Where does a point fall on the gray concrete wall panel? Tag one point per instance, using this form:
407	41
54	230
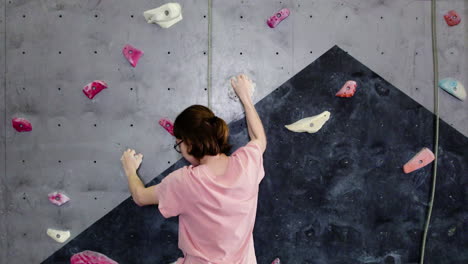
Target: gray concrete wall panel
3	128
54	48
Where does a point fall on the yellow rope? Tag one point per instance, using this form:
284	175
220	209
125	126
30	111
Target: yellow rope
436	112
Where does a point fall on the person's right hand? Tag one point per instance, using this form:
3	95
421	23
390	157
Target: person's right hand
242	85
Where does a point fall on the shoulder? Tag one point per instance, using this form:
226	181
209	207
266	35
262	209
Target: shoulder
252	146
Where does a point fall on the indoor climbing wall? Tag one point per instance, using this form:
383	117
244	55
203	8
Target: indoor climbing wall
52	48
392	37
340	195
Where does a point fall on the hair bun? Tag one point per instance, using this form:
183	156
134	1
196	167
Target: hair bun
213	119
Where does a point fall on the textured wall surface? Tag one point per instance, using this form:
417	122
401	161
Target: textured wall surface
337	196
52	48
3	128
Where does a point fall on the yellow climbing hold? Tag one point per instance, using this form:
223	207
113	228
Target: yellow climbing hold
310	124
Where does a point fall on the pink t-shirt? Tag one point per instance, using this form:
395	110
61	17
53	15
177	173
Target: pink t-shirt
216	214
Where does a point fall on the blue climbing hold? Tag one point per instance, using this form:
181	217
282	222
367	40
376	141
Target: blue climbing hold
453	87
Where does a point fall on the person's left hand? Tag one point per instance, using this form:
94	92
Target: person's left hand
130	161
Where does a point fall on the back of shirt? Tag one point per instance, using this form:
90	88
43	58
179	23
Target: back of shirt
216	213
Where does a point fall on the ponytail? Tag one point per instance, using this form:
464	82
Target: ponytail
204	132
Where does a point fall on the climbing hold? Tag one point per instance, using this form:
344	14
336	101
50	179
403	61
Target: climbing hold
276	261
58	198
232	94
132	54
91	89
348	89
310	124
381	89
21	124
58	235
275	19
165	15
167	125
421	159
452	18
453	87
451	231
91	257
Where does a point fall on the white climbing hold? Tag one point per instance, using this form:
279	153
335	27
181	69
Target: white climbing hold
232	94
310	124
453	87
165	15
58	235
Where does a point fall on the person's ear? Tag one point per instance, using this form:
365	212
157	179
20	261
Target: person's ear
188	146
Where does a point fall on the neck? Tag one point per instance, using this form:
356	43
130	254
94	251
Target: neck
209	159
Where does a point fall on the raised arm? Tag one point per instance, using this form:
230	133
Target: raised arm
243	88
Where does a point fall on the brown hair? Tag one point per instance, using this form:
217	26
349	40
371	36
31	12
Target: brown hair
202	131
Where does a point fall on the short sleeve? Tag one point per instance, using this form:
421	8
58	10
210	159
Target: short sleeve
171	193
251	157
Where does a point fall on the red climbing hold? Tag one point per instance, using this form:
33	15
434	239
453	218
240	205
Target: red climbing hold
275	19
91	89
58	198
452	18
276	261
348	89
167	125
132	54
91	257
424	157
21	124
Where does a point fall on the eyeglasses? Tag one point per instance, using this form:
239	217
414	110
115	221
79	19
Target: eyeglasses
177	146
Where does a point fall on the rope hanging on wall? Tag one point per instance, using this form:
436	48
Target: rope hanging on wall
436	112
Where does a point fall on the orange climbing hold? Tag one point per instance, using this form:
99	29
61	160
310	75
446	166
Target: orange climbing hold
424	157
348	89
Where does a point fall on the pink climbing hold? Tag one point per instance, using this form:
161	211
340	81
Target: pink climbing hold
21	124
276	261
58	198
167	125
275	19
132	54
91	89
421	159
348	89
452	18
91	257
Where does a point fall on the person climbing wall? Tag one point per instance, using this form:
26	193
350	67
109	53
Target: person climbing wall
216	196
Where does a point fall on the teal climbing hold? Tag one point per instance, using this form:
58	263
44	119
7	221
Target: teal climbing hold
453	87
